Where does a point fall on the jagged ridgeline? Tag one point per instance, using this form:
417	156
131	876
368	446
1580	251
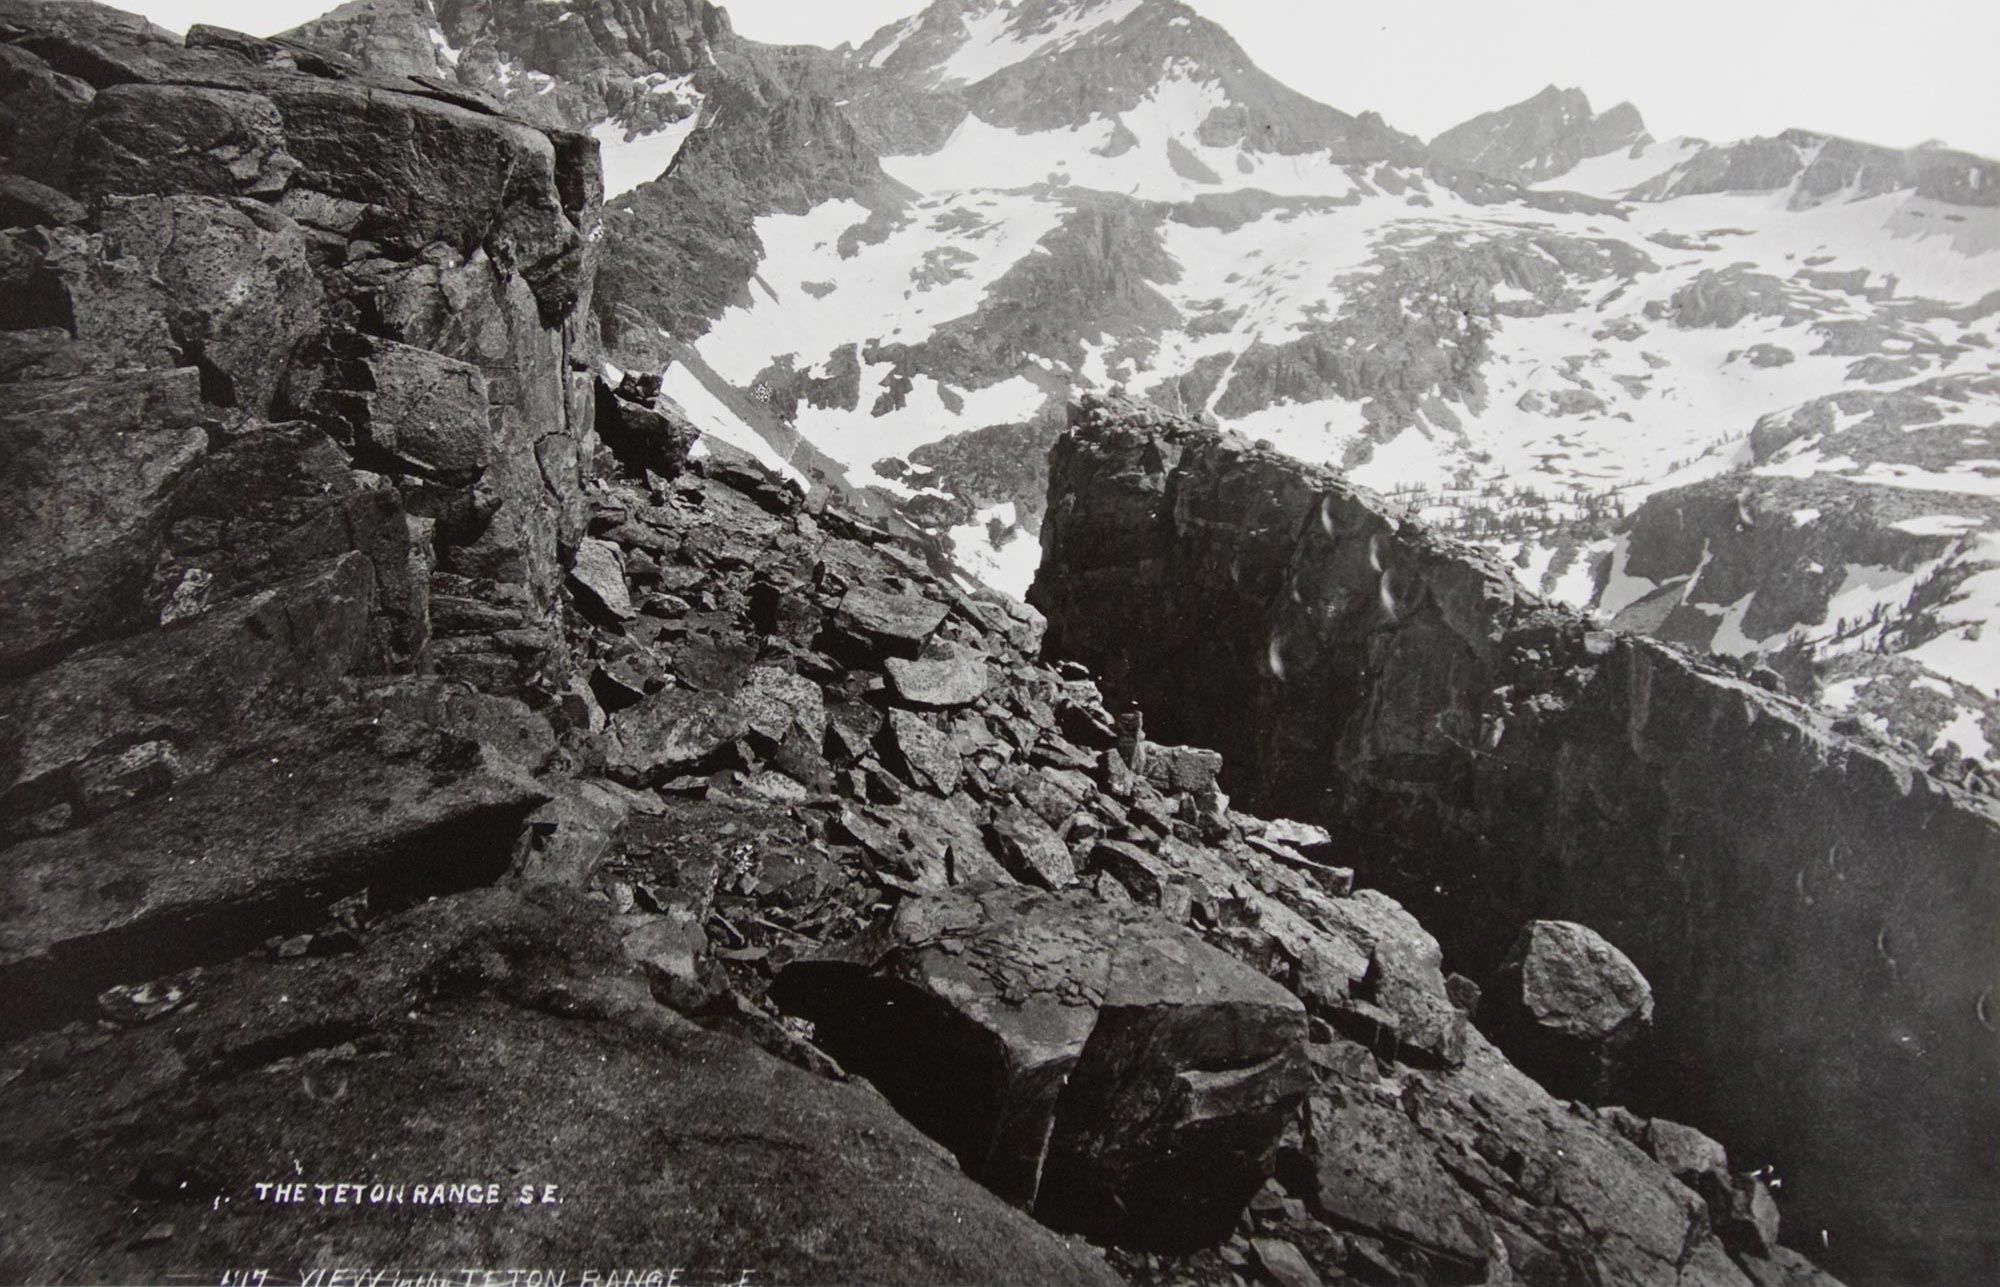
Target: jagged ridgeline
1538	330
462	804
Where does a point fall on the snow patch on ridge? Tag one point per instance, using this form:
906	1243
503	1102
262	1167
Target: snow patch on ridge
1008	567
979	154
993	41
711	415
808	301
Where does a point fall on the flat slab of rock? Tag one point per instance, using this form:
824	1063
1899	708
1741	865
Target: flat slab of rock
1113	1073
897	623
923	754
599	571
670	733
229	858
945	676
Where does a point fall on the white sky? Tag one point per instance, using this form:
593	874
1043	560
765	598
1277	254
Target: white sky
1895	73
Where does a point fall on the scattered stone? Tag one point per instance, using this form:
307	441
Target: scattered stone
1030	851
1283	1264
923	756
897	624
1744	1213
776	703
1694	1158
643	437
670	733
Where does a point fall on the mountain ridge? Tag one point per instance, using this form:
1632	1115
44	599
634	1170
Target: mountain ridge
1522	326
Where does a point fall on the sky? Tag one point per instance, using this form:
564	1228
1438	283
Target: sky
1898	74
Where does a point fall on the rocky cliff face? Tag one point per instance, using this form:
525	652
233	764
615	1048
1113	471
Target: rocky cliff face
432	769
705	131
1814	911
300	417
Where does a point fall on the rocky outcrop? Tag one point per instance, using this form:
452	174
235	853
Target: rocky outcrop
1820	167
1541	137
302	445
570	73
764	134
1813	911
292	847
370	266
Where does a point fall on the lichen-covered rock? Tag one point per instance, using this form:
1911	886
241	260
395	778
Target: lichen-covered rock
945	675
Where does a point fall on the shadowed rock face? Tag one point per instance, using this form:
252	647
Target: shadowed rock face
1815	912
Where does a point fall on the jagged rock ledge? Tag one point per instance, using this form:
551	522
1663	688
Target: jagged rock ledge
1815	912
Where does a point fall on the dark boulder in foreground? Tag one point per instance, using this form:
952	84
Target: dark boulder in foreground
1565	1005
1107	1071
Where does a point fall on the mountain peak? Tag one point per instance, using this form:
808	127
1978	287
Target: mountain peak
1540	137
1038	66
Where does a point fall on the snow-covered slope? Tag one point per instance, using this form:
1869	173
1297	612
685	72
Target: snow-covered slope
1545	330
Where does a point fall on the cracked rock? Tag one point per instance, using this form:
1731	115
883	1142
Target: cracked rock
1113	1074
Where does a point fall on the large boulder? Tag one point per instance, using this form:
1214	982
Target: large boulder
1565	1005
1108	1071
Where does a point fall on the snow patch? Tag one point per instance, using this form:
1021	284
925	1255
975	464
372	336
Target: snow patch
711	415
993	41
1008	567
632	159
